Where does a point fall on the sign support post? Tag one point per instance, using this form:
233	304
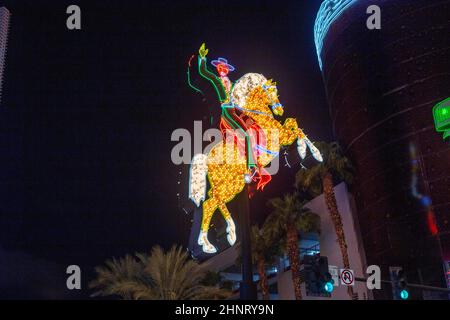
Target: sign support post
247	286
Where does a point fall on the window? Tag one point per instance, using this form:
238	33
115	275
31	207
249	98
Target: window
309	244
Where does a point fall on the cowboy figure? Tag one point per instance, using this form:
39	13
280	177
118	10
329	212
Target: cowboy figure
232	118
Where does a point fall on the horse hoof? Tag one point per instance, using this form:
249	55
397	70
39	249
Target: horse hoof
231	232
231	238
205	244
209	249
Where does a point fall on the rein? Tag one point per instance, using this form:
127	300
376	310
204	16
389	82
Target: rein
253	111
273	153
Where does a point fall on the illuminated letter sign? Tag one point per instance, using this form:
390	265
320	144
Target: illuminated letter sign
441	114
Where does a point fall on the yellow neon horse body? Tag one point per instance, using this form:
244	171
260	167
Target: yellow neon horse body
226	164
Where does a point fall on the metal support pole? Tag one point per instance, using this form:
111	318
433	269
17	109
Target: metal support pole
247	286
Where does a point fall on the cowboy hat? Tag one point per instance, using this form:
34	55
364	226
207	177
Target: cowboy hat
222	61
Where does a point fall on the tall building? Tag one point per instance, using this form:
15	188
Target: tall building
381	87
11	149
4	29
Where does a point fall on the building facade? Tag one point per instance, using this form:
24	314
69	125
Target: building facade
11	149
381	87
4	30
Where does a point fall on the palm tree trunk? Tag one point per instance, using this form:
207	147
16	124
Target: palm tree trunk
330	200
294	259
263	278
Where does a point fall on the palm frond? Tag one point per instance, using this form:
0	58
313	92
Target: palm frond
168	275
335	162
287	211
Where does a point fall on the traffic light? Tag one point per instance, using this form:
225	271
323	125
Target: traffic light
399	284
318	279
402	284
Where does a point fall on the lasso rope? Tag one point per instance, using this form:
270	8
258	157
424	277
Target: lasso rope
189	77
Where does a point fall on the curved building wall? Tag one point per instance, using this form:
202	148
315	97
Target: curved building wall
381	88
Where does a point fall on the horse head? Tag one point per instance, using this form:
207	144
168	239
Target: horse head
270	88
254	93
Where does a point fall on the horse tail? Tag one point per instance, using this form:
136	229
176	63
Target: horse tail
197	179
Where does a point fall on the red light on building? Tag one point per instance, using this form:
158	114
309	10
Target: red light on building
431	220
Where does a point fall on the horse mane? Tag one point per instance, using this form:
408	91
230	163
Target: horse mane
244	86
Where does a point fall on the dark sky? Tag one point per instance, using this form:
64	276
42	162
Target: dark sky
88	115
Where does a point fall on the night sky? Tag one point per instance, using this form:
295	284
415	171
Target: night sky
88	116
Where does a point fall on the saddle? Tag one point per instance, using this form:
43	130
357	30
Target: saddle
256	138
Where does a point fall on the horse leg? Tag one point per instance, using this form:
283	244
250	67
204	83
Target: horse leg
209	207
231	228
220	193
303	143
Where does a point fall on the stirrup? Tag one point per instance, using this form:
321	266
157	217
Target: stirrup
248	177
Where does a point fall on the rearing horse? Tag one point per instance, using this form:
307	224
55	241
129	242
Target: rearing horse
225	164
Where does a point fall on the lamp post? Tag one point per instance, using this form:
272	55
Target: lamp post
247	286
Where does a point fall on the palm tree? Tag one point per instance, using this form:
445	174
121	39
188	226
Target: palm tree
319	179
288	218
211	278
158	276
117	276
265	249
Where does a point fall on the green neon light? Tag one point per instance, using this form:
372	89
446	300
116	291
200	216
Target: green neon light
211	77
441	115
250	161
